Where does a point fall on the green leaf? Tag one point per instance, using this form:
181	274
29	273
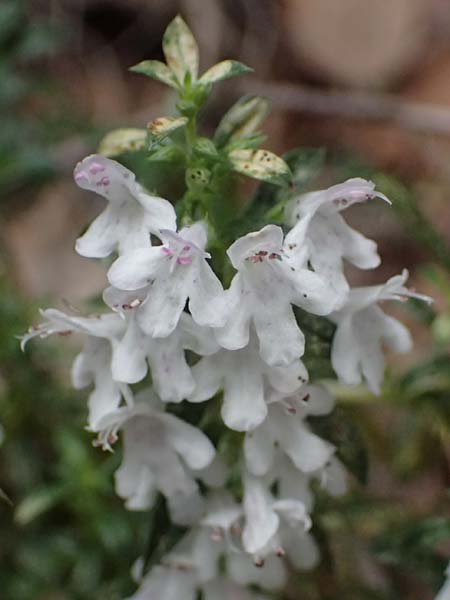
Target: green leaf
162	127
205	147
224	70
156	70
166	154
37	503
122	140
242	119
4	496
180	50
260	164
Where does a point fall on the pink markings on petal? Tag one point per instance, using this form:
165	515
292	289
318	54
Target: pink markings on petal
184	260
81	175
186	248
104	181
96	168
258	257
167	251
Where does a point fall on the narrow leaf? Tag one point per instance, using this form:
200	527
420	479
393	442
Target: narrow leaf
169	153
205	147
260	164
4	496
224	70
156	70
242	119
122	140
163	126
37	503
180	50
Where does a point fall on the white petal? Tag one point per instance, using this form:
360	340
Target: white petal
244	406
295	484
102	235
242	570
396	335
334	478
159	213
223	511
320	402
166	584
160	314
367	326
106	395
196	234
208	378
345	353
235	333
356	248
129	358
185	509
106	177
190	442
171	374
307	451
136	485
206	296
122	301
288	379
261	522
311	292
293	512
259	450
215	474
82	375
301	549
269	238
281	341
136	269
196	338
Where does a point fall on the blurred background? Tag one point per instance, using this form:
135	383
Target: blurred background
364	86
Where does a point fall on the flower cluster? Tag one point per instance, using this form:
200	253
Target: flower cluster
172	325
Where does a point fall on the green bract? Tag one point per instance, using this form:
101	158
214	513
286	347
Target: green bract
261	164
122	140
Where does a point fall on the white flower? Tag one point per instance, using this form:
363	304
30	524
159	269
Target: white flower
171	375
193	565
444	592
93	364
271	277
326	236
263	527
164	583
285	428
362	327
244	377
167	276
267	520
159	453
131	215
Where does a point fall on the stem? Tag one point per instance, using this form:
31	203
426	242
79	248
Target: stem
191	133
